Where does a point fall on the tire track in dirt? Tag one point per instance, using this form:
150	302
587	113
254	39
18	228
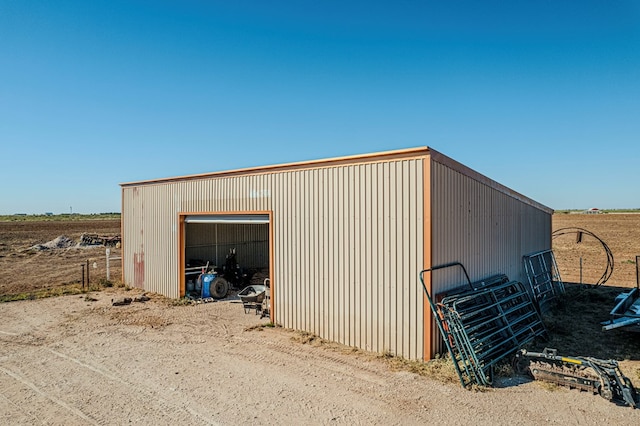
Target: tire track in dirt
341	363
246	348
147	403
76	412
166	407
10	413
367	384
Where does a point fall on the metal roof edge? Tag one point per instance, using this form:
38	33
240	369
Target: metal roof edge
461	168
326	162
416	152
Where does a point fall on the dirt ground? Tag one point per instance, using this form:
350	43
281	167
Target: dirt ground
78	360
70	360
23	270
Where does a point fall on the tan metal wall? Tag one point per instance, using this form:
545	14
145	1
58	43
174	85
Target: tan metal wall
150	218
150	248
348	238
484	226
353	235
348	241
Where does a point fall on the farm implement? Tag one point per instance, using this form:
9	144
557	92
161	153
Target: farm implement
599	376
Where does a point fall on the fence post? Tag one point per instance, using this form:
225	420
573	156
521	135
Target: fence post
580	270
82	265
88	273
108	253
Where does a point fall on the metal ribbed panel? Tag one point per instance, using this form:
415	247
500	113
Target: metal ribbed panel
485	229
347	242
212	242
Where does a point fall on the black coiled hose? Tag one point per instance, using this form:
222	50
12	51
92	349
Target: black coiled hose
609	268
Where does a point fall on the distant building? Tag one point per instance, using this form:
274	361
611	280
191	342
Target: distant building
48	214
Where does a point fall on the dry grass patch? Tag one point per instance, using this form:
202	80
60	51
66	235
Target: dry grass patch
440	368
261	327
306	338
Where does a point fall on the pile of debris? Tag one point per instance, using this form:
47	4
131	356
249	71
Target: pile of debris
122	301
86	240
99	240
60	242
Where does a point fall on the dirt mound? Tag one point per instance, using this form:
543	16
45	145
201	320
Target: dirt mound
60	242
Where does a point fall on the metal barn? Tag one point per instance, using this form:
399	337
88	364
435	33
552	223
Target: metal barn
342	239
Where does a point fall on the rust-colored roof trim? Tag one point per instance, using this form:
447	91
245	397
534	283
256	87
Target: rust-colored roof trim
330	162
418	152
428	337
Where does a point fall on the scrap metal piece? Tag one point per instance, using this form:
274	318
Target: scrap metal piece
602	377
626	312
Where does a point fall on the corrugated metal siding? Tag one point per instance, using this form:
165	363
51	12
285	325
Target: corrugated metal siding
150	241
212	242
486	230
348	241
338	270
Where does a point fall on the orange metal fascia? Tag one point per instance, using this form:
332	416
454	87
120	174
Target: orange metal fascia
428	338
272	298
323	163
181	255
122	239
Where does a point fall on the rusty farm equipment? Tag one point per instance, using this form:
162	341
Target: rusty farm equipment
599	376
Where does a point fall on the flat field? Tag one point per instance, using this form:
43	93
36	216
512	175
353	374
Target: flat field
621	234
76	359
24	271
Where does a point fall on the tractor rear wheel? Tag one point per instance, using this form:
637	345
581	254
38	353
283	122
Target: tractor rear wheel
219	288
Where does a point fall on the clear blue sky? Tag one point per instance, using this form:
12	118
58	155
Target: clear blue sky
542	96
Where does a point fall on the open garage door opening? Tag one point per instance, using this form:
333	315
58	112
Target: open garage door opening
224	254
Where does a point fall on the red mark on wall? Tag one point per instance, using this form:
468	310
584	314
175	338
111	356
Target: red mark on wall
138	270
